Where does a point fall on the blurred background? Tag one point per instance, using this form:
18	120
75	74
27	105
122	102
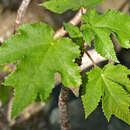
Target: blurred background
44	116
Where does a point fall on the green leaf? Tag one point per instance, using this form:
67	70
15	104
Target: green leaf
75	34
121	77
73	31
38	57
103	44
4	94
92	91
112	84
60	6
103	26
116	100
88	34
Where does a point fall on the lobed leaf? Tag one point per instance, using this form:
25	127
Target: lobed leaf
38	57
108	83
60	6
92	91
88	36
116	99
73	31
102	26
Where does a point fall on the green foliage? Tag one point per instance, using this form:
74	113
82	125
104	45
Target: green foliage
88	35
4	94
38	57
73	31
60	6
101	26
112	84
75	34
92	90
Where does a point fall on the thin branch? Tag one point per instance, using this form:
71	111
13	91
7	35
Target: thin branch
21	12
75	21
19	19
90	57
63	99
123	5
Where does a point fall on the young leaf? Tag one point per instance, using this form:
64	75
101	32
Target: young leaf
73	31
88	36
38	57
110	84
103	26
60	6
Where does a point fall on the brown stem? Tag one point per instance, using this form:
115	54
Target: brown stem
75	21
123	5
63	99
20	14
89	56
19	19
65	124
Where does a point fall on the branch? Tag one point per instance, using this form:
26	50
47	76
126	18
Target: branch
63	99
19	19
75	21
123	5
89	56
87	63
20	14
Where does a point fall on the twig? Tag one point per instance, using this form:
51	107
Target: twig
63	99
90	57
75	21
19	19
123	5
20	14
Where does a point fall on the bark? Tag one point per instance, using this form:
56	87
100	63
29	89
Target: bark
63	99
